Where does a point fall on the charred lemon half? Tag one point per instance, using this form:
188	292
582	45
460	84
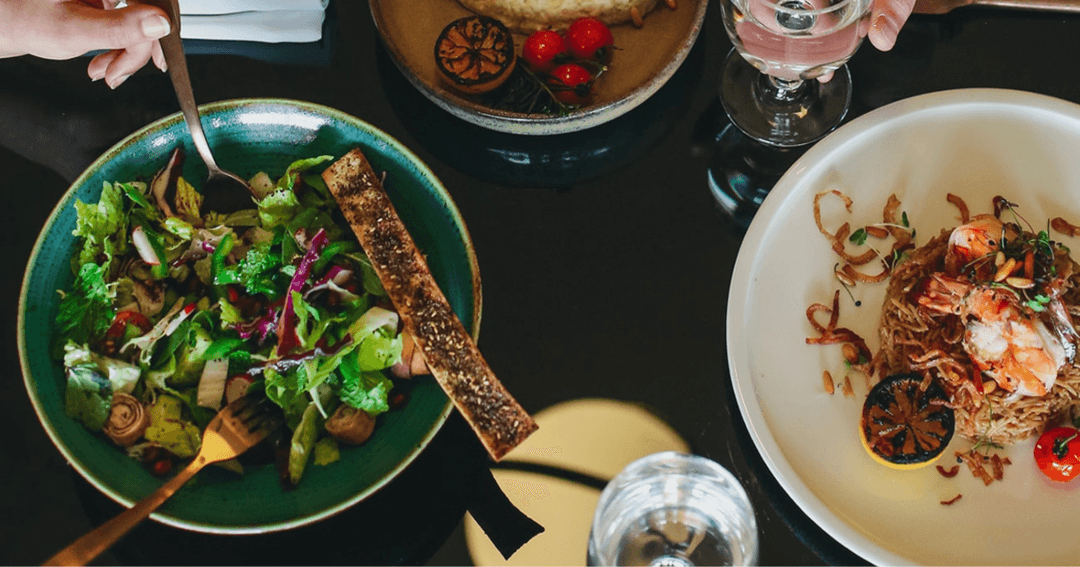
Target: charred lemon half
475	54
904	425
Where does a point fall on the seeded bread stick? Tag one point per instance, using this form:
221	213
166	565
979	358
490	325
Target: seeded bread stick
449	351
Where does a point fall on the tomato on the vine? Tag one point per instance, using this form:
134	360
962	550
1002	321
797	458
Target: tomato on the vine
541	48
586	36
1057	453
571	83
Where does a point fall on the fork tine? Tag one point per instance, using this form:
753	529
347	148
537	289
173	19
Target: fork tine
263	414
266	424
249	405
258	408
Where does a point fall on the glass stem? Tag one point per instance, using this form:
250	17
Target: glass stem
781	92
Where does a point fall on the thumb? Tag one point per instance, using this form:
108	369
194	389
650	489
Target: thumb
887	19
90	28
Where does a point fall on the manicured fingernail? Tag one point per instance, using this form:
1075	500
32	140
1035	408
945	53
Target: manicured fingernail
117	81
97	75
882	30
881	24
155	27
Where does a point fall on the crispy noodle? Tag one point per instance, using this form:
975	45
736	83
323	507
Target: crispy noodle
931	343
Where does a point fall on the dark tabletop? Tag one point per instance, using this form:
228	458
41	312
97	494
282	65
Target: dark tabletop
606	261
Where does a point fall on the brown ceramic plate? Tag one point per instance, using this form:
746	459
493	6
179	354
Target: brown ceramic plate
644	59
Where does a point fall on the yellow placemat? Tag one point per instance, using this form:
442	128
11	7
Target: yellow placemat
594	437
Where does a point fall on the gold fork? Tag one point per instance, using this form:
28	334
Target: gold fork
235	429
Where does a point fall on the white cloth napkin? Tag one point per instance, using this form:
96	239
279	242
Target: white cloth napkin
209	7
267	21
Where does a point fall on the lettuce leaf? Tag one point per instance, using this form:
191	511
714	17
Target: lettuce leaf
327	451
230	315
241	218
312	323
368	391
257	268
278	208
193	342
379	350
87	397
181	229
101	225
285	391
136	191
188	200
292	173
170	430
121	376
371	281
87	311
319	196
315	374
379	345
155	379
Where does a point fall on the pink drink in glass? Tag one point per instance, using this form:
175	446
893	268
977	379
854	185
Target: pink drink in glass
797	39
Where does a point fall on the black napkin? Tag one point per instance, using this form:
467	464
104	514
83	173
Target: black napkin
469	475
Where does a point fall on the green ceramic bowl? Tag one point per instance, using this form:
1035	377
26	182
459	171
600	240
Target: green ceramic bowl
249	136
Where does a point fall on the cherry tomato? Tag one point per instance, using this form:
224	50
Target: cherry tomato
586	36
161	467
541	48
123	319
1057	453
571	83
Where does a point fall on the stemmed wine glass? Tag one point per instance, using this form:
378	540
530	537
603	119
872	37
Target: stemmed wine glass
770	87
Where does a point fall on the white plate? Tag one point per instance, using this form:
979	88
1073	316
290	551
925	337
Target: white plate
975	143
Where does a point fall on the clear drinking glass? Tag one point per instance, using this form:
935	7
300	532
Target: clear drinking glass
770	88
673	509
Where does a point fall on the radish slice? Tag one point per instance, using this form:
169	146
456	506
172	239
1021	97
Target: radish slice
237	387
212	383
143	246
175	323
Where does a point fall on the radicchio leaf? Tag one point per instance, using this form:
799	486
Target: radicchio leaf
286	329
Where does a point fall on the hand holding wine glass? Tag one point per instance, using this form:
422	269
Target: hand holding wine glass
886	17
781	46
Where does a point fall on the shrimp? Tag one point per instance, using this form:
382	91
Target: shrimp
942	293
1018	348
1014	348
980	238
1002	338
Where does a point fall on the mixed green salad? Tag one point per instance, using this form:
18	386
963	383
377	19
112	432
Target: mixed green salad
175	311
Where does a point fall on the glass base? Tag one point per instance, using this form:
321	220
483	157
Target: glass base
742	171
781	113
